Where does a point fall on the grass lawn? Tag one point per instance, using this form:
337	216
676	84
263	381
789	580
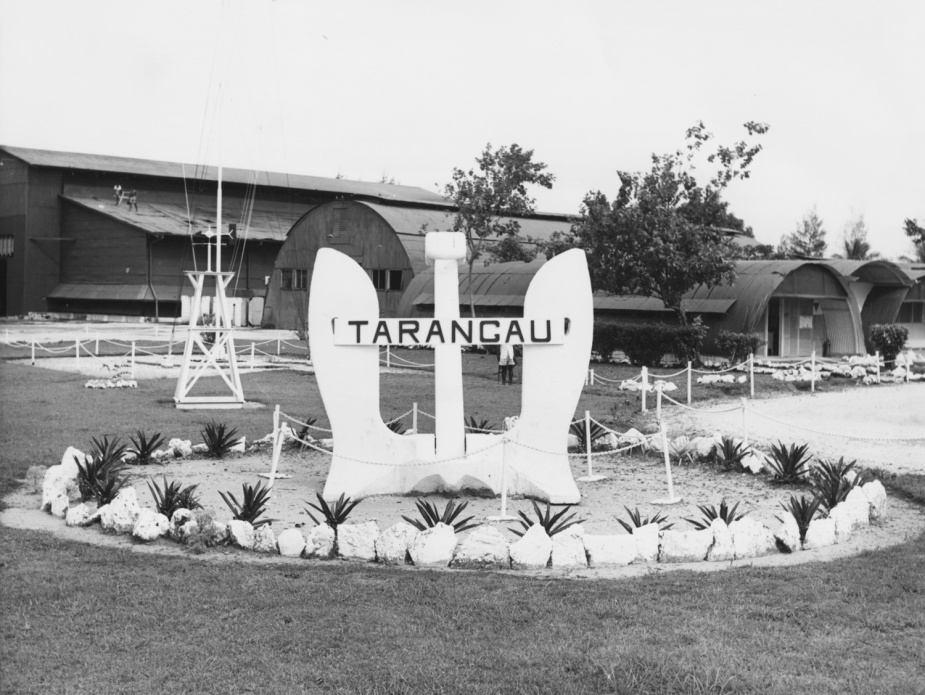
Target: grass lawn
77	618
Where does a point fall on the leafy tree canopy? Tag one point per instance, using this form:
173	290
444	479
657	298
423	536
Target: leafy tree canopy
917	234
663	234
487	196
807	240
854	241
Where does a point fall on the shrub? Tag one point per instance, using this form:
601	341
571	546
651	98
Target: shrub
729	453
431	517
109	452
253	504
803	511
688	340
334	515
736	347
789	464
552	523
889	339
304	431
636	520
107	489
172	496
644	344
830	482
726	513
143	448
219	440
606	339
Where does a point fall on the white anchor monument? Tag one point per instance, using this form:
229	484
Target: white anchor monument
369	459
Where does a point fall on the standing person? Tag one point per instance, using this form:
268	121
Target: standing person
506	363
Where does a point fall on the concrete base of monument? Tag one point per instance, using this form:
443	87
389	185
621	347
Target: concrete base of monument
414	469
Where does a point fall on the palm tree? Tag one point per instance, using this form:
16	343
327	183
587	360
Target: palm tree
857	249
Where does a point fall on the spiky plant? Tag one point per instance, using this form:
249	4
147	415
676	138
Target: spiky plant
578	429
253	504
551	523
711	512
219	440
304	431
105	463
173	496
729	453
681	448
396	425
803	511
830	483
430	517
637	520
107	489
109	452
789	465
335	514
479	426
143	447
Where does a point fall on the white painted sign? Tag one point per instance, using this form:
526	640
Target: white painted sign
449	331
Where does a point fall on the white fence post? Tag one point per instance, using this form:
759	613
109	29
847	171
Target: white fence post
751	373
878	366
503	516
388	357
133	359
33	353
663	433
253	349
277	446
590	477
690	370
645	386
77	351
812	374
658	405
277	346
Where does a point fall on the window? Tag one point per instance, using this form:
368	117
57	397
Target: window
911	312
387	280
294	279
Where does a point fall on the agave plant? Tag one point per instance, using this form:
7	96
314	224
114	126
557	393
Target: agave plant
726	513
253	504
172	496
335	514
730	453
107	489
396	425
803	511
830	482
578	429
109	452
304	431
144	447
479	426
681	448
431	517
93	475
552	523
637	520
789	464
219	440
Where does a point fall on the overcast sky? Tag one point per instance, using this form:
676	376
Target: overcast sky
411	89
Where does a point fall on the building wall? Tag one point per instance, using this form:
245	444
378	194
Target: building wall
345	226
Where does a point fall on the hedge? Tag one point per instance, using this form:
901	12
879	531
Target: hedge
645	344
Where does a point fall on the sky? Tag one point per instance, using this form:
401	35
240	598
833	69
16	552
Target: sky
410	89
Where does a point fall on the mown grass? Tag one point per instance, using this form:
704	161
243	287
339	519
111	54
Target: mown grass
76	618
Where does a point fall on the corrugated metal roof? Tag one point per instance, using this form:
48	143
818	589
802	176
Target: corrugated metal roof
913	270
269	221
147	167
122	293
877	272
411	223
694	306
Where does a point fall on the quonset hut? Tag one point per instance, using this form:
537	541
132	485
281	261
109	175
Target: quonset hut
72	244
387	240
795	306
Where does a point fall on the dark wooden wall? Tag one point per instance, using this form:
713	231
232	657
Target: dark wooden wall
349	227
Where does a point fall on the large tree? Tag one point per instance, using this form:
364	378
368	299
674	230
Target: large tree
807	240
663	234
490	195
917	234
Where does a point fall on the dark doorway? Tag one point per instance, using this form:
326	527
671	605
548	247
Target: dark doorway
2	287
774	327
